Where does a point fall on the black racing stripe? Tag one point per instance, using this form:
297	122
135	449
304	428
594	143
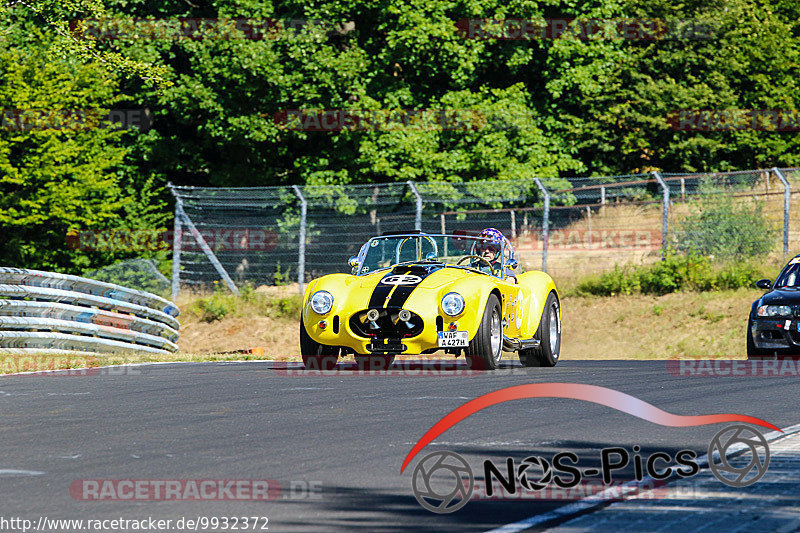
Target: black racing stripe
400	296
379	295
382	290
402	293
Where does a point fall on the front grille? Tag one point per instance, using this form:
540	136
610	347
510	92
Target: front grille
388	324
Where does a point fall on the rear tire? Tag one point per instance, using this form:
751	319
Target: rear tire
316	356
549	333
485	349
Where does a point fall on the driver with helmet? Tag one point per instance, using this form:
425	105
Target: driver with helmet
490	250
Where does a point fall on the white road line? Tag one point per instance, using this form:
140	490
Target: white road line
309	388
11	472
442	398
614	493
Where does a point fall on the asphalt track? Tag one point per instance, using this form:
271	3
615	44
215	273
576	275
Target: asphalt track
346	433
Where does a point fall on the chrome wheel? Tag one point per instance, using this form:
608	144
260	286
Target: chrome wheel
555	330
496	336
483	352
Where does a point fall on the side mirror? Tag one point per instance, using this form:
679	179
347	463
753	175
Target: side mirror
513	264
431	256
353	262
764	284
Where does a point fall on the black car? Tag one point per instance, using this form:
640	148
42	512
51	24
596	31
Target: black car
774	325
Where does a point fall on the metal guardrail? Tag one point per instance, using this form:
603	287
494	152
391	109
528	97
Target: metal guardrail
53	280
74	313
60	313
95	330
73	297
65	341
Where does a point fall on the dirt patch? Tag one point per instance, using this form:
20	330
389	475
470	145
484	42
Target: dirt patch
710	324
278	337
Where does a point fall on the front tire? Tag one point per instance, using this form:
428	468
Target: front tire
752	351
549	333
316	356
485	349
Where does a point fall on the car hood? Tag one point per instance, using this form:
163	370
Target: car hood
430	276
782	296
394	287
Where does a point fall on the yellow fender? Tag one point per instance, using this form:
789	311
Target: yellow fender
536	286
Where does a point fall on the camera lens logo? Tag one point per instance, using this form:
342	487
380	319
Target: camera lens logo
743	469
442	482
527	473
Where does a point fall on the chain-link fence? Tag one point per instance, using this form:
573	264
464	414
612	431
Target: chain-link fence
569	227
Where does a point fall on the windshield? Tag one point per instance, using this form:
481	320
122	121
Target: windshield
463	250
789	276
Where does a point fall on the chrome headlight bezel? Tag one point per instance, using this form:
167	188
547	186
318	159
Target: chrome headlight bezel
774	311
321	302
452	304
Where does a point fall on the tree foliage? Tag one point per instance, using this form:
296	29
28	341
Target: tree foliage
576	105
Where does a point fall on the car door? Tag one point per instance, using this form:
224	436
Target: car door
513	303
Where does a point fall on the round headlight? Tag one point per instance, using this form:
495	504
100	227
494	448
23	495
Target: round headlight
452	304
774	310
321	302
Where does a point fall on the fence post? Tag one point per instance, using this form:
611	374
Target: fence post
205	247
545	222
589	223
513	225
418	219
444	232
603	200
664	211
787	197
301	260
177	238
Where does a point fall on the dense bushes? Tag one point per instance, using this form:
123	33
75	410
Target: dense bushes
222	303
674	273
726	228
714	247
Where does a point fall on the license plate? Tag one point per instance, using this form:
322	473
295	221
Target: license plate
453	339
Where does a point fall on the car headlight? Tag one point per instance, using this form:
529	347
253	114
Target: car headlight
321	302
452	304
774	310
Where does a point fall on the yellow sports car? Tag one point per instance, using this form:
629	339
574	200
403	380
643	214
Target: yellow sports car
417	293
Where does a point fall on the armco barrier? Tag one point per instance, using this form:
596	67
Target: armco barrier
64	341
72	297
52	280
65	326
74	313
41	311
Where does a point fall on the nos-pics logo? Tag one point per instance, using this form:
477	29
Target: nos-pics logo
443	481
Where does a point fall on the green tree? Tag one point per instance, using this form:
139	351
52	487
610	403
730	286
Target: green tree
60	168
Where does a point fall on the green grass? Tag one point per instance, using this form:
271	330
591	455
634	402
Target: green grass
675	273
224	304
